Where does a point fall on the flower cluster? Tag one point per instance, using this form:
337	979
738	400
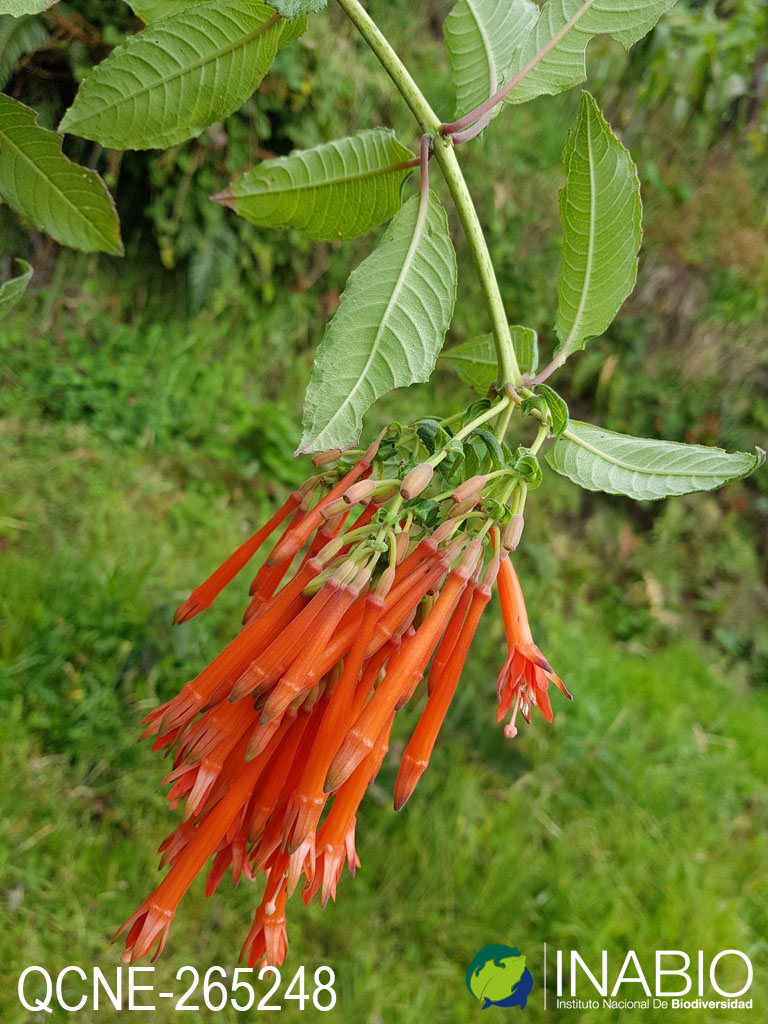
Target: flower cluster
275	742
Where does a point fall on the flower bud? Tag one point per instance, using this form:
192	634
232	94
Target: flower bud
443	531
513	531
385	490
334	524
454	549
470	488
401	547
386	580
360	491
460	508
308	486
469	559
327	554
370	454
490	573
417	480
323	458
361	580
334	508
345	573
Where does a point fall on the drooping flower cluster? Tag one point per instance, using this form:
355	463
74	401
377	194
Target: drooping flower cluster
275	742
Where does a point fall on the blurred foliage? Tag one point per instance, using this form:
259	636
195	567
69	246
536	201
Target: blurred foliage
148	412
706	66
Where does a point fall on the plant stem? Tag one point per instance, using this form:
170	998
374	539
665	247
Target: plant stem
540	438
489	414
430	124
509	371
501	426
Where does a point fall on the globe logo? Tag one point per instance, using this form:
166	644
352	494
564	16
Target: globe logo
498	976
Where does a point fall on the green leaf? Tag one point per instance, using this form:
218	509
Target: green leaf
492	446
482	36
432	435
340	189
425	511
532	404
497	510
389	326
600	211
553	55
18	36
527	465
153	10
558	410
70	202
641	468
475	360
454	460
11	291
18	8
293	8
477	408
180	74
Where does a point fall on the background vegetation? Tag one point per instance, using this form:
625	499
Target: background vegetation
148	410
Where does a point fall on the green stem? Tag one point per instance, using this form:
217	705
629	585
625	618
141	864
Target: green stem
501	426
540	438
489	414
522	493
429	123
509	371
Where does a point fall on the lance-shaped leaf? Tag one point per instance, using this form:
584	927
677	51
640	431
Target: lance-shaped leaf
389	326
179	75
600	212
70	202
641	468
11	291
18	8
18	36
482	36
475	360
553	55
295	8
340	189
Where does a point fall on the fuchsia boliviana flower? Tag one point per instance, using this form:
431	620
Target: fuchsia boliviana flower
276	741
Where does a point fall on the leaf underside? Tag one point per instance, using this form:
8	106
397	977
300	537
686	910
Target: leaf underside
11	291
179	75
69	202
153	10
553	55
475	360
642	468
341	189
18	8
600	212
295	8
482	36
388	329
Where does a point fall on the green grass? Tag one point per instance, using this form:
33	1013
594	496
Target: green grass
636	821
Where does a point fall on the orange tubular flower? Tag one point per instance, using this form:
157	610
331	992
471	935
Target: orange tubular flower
526	674
203	596
292	719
